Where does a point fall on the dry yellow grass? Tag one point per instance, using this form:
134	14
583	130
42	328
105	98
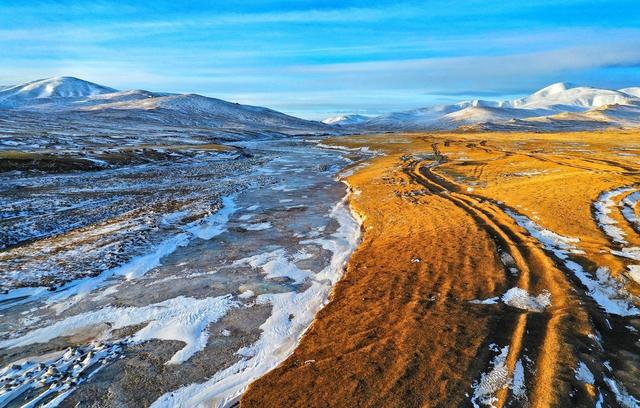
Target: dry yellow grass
400	330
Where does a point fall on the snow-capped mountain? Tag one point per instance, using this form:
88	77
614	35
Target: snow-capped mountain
632	91
79	98
346	120
47	90
558	106
564	97
192	109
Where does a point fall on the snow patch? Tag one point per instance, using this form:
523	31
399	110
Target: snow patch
72	292
276	264
519	298
608	293
257	227
518	385
489	301
622	395
634	273
602	208
496	379
182	318
583	374
628	210
292	313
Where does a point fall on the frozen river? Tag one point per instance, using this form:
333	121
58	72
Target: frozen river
167	284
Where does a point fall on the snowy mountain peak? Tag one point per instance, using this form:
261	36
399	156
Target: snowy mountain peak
554	89
79	98
345	120
57	87
560	104
635	91
562	96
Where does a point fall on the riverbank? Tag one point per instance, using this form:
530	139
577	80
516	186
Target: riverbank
212	304
490	271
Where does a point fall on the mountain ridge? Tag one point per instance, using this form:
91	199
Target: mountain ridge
73	96
560	105
545	109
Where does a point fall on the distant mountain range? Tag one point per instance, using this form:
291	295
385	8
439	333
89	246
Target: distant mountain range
69	96
346	120
556	107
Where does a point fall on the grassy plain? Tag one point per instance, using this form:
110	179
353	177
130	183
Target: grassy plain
404	327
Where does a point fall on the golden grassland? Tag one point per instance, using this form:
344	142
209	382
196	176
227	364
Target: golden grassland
400	330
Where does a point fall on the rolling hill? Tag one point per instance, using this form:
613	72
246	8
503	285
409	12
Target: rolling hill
558	106
73	97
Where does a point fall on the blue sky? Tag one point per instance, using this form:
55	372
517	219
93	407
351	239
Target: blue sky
313	58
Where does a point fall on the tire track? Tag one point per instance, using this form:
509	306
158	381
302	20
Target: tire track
525	254
598	323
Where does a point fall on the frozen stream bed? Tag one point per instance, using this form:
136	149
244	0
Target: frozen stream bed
167	284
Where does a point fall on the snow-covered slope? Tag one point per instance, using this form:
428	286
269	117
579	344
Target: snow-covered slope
417	118
346	120
607	115
73	96
558	106
635	91
562	96
192	109
48	90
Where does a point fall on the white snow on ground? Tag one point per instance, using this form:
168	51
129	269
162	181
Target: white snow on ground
214	224
173	217
622	396
602	208
628	212
583	374
519	298
283	188
608	293
292	314
509	262
276	264
628	205
182	318
628	252
634	272
518	385
246	294
489	301
257	227
496	379
57	371
344	148
20	295
609	225
77	290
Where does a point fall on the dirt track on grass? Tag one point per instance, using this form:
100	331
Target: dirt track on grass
439	232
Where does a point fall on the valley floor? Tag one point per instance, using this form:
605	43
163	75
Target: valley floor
484	269
170	279
494	270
